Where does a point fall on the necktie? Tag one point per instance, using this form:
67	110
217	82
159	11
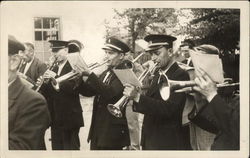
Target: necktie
55	68
22	67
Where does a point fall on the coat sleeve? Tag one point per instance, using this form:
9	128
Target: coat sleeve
151	106
225	115
106	91
31	123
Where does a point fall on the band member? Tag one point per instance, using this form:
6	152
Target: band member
220	115
186	45
108	132
28	112
162	124
31	68
63	101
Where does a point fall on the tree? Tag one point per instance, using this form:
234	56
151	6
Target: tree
219	27
138	22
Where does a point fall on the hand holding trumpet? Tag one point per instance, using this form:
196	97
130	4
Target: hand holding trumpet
205	85
132	92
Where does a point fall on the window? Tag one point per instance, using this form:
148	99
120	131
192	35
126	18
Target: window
45	29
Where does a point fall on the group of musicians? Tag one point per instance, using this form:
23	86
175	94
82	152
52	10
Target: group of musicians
58	104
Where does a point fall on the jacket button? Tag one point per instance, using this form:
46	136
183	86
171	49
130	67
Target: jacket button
122	131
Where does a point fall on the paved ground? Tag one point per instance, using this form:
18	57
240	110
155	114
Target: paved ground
87	104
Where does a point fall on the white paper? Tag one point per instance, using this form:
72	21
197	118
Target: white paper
127	76
210	63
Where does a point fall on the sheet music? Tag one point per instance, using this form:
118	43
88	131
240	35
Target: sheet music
210	63
127	76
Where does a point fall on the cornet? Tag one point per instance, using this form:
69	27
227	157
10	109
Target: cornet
117	108
72	74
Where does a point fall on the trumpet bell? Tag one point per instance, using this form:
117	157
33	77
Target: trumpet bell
114	110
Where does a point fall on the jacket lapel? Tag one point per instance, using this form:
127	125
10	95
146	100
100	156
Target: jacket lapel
32	69
14	91
66	68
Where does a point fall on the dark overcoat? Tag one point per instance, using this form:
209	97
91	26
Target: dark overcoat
36	69
28	118
64	105
106	130
222	119
162	124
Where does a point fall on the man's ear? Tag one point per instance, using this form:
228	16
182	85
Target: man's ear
121	55
14	63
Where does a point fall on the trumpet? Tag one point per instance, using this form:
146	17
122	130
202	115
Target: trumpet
184	86
117	108
72	74
55	63
189	88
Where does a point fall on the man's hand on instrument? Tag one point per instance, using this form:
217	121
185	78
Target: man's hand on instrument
205	85
132	92
49	74
82	71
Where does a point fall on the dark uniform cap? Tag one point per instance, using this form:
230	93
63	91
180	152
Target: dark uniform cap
116	45
156	41
57	45
14	45
208	49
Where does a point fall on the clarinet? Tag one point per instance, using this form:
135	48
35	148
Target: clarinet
55	63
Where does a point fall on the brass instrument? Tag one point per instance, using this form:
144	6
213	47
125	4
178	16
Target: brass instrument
189	88
55	63
117	108
184	86
72	74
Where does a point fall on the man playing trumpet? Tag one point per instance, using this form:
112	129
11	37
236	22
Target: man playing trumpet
63	101
220	113
162	125
107	132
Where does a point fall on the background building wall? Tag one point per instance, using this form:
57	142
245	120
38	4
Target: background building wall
76	22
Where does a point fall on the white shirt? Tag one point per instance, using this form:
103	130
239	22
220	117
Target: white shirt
27	66
60	67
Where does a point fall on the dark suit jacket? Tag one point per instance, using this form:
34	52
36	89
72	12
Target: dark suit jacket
64	106
162	124
106	130
222	119
28	118
36	69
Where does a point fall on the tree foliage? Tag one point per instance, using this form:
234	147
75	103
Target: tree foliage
219	27
141	21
